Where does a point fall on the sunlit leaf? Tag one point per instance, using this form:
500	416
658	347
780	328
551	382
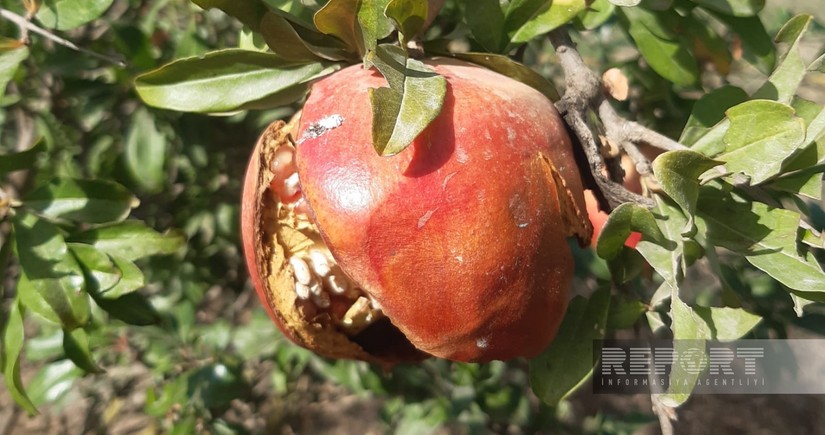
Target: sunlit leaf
51	281
13	337
10	59
568	362
339	18
709	111
549	16
227	80
145	151
131	240
100	269
405	108
762	135
90	201
515	70
726	324
407	16
69	14
660	47
783	83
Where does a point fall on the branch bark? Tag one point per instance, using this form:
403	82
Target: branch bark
582	96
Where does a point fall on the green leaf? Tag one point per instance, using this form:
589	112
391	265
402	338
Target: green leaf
131	240
88	201
51	281
678	174
551	15
596	14
76	347
485	18
623	220
249	12
70	14
766	236
515	70
668	259
709	111
624	312
762	135
131	279
412	100
660	46
689	333
10	60
53	382
569	361
300	12
288	44
100	270
145	152
738	8
757	45
374	24
13	337
407	16
132	308
227	80
727	324
783	83
707	44
23	159
339	18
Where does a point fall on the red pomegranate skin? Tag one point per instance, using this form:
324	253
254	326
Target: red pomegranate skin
459	237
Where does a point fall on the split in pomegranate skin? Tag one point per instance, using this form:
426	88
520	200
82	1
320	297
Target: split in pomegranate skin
455	247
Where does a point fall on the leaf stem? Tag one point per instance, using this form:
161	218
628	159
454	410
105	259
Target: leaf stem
25	26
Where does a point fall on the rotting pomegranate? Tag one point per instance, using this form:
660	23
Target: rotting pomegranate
455	248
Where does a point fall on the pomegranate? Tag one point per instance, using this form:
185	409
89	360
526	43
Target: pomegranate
455	247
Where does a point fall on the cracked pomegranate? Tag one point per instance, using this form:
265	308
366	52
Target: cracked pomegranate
455	248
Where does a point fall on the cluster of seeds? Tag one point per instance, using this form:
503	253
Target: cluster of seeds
319	281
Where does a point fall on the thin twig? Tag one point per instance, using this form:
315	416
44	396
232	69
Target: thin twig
583	95
25	25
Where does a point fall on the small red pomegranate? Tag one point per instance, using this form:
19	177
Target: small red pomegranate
455	247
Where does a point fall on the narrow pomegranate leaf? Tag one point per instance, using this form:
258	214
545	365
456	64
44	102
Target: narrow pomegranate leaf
762	135
13	338
623	220
131	240
90	201
569	361
22	160
228	80
339	18
283	40
784	81
766	236
100	270
485	18
659	45
10	59
145	151
678	174
70	14
374	24
407	16
548	18
596	14
249	12
51	282
738	8
515	70
412	100
76	348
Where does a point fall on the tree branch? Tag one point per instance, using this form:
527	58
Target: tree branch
583	95
26	26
